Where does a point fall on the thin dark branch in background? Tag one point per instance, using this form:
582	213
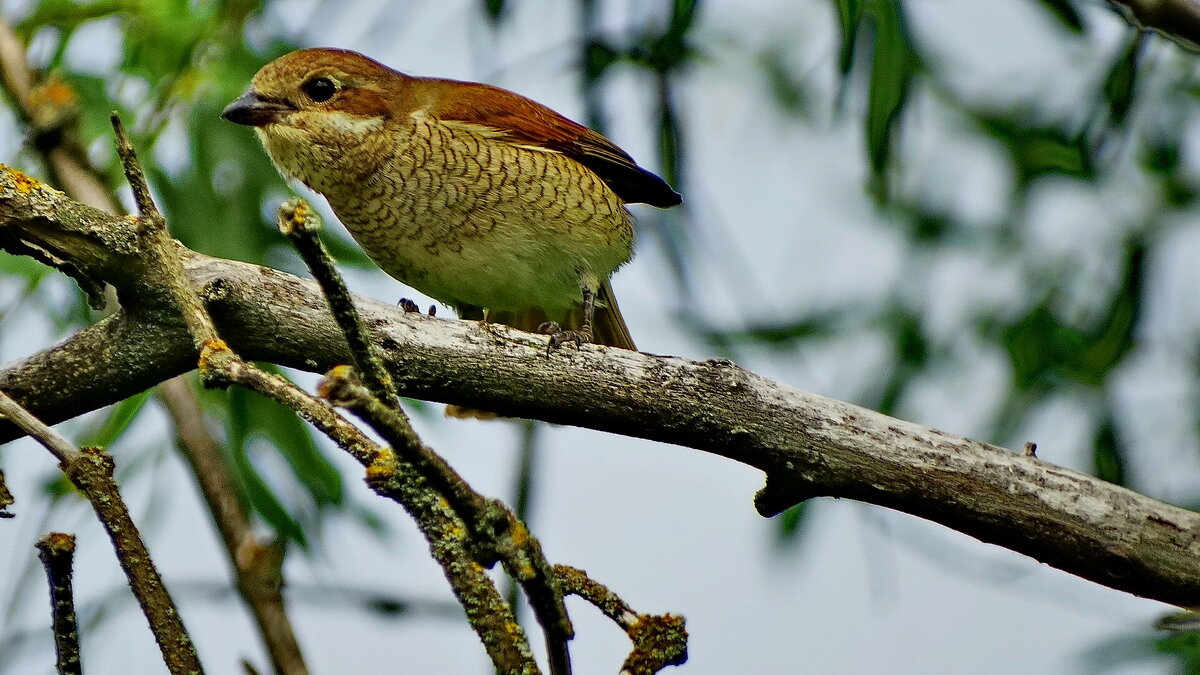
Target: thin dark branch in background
257	566
524	489
594	59
57	553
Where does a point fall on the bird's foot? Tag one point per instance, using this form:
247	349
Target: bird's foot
559	336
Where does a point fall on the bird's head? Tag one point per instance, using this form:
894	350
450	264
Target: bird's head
324	114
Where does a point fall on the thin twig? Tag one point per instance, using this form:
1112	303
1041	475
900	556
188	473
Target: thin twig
659	640
57	553
161	248
146	207
60	447
301	225
449	538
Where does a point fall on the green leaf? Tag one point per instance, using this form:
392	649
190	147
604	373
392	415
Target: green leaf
893	66
66	15
1186	646
850	18
1065	12
1121	80
786	90
494	10
1040	344
1039	150
792	523
117	421
22	266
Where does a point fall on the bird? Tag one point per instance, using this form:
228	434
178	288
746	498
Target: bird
479	197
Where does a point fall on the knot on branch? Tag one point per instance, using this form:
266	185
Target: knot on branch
659	640
343	388
296	216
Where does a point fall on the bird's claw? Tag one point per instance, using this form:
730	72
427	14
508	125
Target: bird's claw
558	336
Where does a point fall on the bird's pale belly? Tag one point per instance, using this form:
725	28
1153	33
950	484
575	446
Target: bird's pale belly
467	219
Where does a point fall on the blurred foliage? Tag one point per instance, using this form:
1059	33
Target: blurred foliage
1186	646
1051	345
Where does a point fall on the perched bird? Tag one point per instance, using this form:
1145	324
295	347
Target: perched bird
476	196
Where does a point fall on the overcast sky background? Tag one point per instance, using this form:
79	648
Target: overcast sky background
781	224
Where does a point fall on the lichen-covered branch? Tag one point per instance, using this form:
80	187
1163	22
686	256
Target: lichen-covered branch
56	550
807	444
659	640
497	533
300	225
91	472
391	476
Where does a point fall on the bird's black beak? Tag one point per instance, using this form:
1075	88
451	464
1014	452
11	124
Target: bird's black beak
256	111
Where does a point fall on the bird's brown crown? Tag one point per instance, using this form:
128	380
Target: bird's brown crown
332	79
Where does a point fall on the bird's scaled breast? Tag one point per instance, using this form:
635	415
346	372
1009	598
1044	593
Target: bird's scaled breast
467	217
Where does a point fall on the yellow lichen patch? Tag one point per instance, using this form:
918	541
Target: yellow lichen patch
21	181
296	215
380	471
211	346
54	92
208	351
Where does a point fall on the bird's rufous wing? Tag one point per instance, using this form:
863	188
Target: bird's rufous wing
525	122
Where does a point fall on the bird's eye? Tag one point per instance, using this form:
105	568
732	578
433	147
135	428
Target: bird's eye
319	89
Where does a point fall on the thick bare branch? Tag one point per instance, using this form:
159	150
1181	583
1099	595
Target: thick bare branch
807	444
